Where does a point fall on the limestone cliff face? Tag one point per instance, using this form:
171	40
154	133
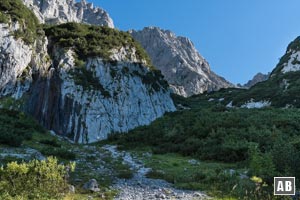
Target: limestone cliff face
112	88
19	62
15	56
85	102
185	69
122	101
62	11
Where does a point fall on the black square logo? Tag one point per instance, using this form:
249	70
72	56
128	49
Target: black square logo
284	186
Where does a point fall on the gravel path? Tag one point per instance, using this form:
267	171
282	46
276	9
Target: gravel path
142	188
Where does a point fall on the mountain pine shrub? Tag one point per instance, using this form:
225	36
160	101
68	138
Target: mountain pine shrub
44	179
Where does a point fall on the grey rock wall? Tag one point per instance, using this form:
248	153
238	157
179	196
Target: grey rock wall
185	69
89	115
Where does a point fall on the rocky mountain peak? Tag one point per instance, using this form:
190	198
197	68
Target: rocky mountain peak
259	77
184	68
62	11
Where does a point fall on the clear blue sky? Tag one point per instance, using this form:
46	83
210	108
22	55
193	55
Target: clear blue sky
237	37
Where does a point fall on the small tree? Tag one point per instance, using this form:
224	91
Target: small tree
261	165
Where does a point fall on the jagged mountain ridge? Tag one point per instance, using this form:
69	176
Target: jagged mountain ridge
259	77
83	93
62	11
187	72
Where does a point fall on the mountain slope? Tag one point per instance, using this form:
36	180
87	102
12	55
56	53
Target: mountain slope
280	90
81	81
62	11
185	69
282	87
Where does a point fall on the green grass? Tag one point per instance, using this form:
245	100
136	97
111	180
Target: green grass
177	169
209	177
38	141
85	170
120	170
213	178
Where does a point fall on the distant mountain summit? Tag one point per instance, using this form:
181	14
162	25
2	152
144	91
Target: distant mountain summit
187	72
259	77
62	11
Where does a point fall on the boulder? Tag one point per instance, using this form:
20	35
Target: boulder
91	185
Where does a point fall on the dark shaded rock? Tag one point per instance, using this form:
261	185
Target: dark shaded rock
92	185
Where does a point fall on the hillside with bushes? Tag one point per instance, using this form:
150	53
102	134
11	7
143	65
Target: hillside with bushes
84	114
251	139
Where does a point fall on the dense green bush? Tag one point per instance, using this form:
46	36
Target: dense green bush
207	133
34	180
15	127
16	11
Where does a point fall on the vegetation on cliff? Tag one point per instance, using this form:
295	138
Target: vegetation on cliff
93	41
16	11
294	46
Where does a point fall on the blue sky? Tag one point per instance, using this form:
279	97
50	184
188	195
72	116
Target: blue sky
237	37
